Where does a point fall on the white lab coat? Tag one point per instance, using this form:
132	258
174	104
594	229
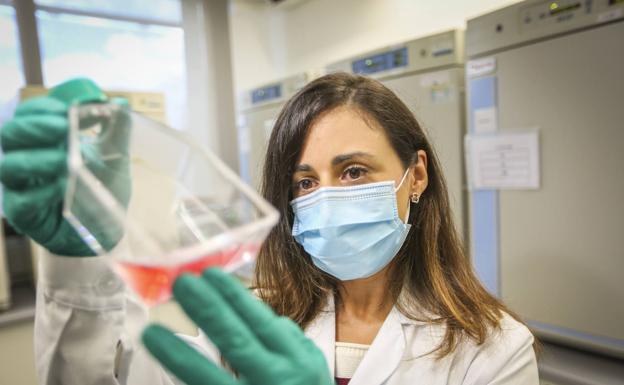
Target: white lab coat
85	319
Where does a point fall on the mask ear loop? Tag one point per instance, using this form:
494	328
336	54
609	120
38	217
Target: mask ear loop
407	214
402	180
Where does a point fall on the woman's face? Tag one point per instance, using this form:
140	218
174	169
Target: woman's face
343	149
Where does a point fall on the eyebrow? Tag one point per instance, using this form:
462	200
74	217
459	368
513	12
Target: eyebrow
336	161
303	167
345	157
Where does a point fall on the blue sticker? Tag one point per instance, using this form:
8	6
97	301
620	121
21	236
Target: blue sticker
484	220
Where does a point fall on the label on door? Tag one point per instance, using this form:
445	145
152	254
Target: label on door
485	120
480	67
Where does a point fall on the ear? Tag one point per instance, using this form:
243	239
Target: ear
419	178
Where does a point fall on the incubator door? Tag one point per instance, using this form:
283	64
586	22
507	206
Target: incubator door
561	258
436	99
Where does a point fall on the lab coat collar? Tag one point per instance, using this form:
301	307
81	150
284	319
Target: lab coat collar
383	356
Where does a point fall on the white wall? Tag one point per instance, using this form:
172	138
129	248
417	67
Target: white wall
209	76
271	42
257	42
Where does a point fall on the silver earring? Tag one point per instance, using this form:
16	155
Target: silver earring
415	198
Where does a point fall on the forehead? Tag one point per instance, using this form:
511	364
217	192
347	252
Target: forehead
344	130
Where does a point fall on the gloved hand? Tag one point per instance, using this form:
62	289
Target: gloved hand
34	168
263	348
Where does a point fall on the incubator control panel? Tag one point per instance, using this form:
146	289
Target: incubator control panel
381	62
277	91
440	50
265	94
533	20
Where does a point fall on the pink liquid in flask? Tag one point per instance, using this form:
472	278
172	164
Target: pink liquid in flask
153	283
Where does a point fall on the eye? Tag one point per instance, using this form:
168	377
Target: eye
304	185
354	172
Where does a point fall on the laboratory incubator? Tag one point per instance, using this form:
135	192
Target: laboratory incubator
551	251
427	74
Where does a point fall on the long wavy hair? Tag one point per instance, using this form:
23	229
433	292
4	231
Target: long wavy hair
432	270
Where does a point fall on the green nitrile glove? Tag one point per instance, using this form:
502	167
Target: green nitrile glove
34	168
263	348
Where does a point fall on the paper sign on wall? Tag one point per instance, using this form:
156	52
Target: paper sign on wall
503	161
485	120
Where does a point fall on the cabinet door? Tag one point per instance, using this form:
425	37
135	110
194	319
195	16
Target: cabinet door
561	255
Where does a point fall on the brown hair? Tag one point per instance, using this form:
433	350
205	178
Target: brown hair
432	269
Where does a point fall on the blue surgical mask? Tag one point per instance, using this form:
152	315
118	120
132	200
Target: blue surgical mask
350	232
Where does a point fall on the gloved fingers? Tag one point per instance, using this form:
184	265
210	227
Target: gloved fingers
182	360
19	169
118	130
226	330
111	129
23	206
279	334
42	105
34	131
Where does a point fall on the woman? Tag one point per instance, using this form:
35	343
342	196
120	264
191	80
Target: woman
365	259
344	130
